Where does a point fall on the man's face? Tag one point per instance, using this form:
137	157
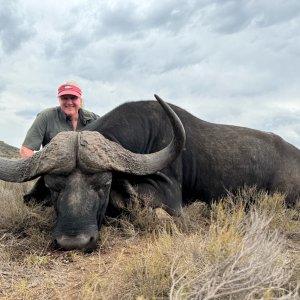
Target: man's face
70	104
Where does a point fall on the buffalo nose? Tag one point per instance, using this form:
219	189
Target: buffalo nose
85	242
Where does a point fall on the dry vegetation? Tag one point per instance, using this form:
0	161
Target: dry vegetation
228	251
8	151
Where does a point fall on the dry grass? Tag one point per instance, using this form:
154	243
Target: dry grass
232	250
252	265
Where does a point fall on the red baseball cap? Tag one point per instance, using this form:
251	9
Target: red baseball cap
69	89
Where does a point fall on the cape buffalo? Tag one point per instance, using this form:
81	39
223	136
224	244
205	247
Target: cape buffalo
84	170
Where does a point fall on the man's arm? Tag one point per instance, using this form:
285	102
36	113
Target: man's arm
34	136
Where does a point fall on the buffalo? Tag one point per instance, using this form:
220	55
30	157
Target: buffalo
134	148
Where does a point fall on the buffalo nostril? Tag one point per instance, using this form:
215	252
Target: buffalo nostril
86	242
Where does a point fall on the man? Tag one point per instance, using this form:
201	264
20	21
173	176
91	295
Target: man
66	117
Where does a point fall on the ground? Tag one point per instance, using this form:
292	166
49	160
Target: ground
219	252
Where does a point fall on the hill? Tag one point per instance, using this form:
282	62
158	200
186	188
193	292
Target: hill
8	151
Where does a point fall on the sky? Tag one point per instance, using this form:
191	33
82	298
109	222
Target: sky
225	61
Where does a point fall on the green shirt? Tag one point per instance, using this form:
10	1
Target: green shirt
50	122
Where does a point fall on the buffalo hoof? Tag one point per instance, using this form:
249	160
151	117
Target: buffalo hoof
162	215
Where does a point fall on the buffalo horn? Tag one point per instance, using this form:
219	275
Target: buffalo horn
96	153
58	157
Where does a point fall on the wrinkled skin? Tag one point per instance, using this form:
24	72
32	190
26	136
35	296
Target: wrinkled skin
80	201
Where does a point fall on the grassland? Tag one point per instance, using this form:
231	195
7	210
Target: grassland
227	251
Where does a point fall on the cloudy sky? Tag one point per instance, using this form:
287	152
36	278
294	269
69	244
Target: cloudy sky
226	61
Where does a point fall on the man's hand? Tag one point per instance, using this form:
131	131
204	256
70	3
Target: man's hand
26	152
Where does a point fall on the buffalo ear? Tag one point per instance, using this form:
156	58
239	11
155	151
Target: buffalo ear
38	194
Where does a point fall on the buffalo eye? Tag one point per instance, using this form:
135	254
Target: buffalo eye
55	182
100	180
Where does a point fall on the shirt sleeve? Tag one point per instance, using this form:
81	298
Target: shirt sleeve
95	116
36	133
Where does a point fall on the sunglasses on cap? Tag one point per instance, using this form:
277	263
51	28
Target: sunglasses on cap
66	97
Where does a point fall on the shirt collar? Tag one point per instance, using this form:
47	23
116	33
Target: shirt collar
84	116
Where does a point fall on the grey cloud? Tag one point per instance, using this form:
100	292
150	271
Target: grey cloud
286	125
50	49
14	28
129	19
27	114
277	12
231	16
102	42
3	86
95	23
281	120
123	58
72	44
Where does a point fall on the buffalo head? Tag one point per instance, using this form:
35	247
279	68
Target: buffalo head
77	168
